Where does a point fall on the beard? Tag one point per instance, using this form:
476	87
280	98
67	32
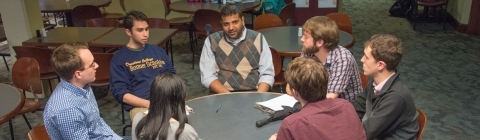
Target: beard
310	49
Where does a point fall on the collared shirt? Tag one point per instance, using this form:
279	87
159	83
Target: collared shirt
207	62
72	113
343	74
379	87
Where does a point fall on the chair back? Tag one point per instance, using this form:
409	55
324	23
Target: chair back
167	3
84	12
288	12
364	80
102	22
41	55
103	61
343	21
277	61
422	122
122	5
203	17
267	21
26	75
158	23
38	133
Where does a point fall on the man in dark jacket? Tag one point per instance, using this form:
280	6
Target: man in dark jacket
386	106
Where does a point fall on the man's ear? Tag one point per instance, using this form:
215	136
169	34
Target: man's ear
381	65
77	75
319	43
129	33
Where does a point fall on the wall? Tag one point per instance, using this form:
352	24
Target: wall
460	10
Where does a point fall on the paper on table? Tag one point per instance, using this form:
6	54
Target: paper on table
276	103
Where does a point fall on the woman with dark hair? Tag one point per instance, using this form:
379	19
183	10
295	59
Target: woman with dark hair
166	118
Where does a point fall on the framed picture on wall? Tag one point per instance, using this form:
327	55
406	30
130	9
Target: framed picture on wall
327	3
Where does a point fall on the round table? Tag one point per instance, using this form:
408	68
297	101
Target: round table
11	102
186	7
235	120
286	41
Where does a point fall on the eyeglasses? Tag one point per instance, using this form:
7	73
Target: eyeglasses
91	66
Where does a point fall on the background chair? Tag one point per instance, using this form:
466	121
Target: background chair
117	16
26	76
288	12
277	65
203	17
84	12
42	56
267	21
364	80
101	84
343	21
162	24
422	122
38	133
179	22
102	22
429	5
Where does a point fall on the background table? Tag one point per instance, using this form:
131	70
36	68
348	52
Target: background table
11	102
58	6
186	7
118	38
62	35
287	42
236	118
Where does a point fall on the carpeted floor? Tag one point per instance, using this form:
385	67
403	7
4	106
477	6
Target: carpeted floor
441	67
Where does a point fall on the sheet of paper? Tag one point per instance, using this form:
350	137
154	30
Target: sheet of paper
277	103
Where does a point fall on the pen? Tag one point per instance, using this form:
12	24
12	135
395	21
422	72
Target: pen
220	106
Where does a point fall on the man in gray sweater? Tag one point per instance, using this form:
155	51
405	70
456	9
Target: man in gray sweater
386	107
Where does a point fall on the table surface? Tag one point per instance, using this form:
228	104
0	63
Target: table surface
11	101
184	6
118	37
62	35
235	119
64	6
287	42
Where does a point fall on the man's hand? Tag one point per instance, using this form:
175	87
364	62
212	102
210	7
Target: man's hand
332	95
263	87
217	87
273	137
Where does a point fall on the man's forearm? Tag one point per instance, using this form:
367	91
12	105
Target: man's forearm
263	87
217	87
135	101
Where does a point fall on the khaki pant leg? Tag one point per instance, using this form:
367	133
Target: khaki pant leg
136	110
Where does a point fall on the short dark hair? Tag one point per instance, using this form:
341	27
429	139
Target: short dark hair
66	59
230	9
132	16
308	77
387	48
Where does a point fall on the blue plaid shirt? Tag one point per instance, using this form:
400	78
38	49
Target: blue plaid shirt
72	113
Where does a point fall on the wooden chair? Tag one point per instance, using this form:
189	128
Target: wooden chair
429	5
162	24
102	22
203	17
422	122
288	12
38	133
103	71
277	65
26	76
84	12
364	80
4	52
183	21
267	21
42	56
116	16
343	21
